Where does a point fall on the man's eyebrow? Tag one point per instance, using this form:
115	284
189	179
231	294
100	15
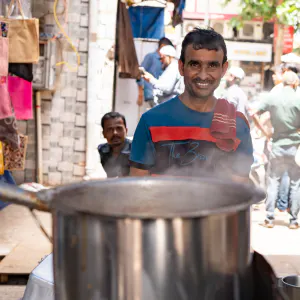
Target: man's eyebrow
214	62
208	62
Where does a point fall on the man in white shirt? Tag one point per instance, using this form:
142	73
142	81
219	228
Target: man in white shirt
170	83
234	93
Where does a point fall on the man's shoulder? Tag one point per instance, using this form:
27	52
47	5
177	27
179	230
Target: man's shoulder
104	148
161	109
151	55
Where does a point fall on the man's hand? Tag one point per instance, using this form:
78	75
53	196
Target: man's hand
140	99
147	76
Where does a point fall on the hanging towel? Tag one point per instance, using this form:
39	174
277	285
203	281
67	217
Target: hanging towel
223	126
125	49
147	22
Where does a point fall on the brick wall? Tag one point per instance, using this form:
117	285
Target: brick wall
64	111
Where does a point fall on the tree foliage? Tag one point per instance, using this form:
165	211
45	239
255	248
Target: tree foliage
286	12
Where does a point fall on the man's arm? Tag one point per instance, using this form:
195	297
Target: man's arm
135	172
166	81
142	156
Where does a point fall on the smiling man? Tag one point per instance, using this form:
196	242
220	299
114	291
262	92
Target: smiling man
195	133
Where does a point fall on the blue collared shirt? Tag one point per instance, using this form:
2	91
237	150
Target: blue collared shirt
115	166
153	65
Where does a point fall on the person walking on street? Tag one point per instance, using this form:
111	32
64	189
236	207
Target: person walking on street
170	83
234	93
284	108
153	65
115	153
195	134
277	77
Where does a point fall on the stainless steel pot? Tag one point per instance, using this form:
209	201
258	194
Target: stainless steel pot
148	238
291	286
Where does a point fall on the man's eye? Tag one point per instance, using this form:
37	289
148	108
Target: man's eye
213	65
194	64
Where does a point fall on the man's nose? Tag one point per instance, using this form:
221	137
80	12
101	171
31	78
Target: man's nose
115	131
203	74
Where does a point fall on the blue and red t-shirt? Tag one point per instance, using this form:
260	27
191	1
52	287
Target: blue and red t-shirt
172	139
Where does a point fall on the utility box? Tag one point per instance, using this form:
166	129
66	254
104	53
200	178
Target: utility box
44	71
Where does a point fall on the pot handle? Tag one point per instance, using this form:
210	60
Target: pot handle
40	201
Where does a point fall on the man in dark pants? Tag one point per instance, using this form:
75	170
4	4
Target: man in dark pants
284	108
115	153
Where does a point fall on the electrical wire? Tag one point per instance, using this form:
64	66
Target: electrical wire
71	68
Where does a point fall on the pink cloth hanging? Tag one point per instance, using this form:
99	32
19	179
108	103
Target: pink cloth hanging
20	91
5	104
3	56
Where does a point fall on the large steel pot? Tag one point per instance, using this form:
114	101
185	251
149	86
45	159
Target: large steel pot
148	239
291	286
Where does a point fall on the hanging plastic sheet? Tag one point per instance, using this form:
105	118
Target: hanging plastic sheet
147	22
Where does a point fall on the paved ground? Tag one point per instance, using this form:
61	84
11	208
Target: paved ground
280	245
11	292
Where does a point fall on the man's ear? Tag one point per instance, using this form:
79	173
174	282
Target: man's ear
103	134
126	131
180	67
225	67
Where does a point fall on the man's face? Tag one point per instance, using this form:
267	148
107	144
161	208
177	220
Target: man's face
114	131
229	79
202	71
277	78
165	60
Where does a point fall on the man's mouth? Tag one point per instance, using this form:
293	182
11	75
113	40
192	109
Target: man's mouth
202	84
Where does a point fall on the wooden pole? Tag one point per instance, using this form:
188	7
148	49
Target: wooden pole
39	138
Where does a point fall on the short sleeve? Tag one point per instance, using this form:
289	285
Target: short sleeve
142	151
263	105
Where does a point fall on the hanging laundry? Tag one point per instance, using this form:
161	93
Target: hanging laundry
179	6
5	104
8	125
21	70
147	22
20	92
3	49
14	159
125	49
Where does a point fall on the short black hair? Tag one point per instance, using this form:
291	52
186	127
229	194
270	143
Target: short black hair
204	38
112	115
165	41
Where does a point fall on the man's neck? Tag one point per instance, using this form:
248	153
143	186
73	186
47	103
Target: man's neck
201	105
116	150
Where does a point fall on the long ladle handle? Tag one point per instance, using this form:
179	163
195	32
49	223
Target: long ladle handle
16	195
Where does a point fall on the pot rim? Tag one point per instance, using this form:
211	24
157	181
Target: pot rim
70	197
288	284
